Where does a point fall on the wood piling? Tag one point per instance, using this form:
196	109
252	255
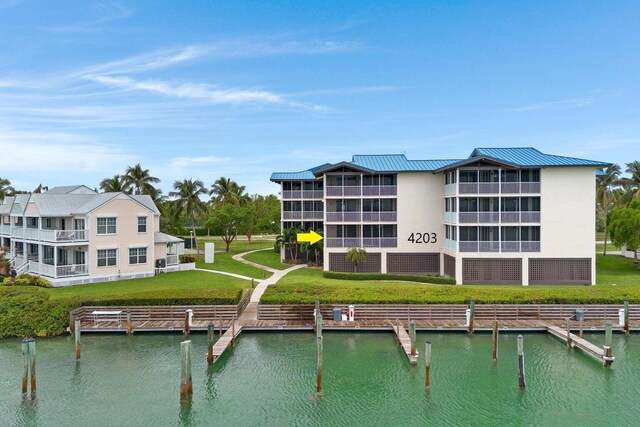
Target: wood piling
186	384
494	345
319	366
77	339
319	325
316	312
185	330
608	341
210	334
568	333
233	332
521	380
412	335
220	326
129	324
626	316
472	308
25	362
32	359
427	365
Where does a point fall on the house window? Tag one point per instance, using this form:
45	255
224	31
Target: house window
137	255
142	224
106	225
107	257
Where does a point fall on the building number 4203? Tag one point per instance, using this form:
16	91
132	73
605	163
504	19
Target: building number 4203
422	238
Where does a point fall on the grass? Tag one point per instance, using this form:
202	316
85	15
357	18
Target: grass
268	258
616	279
223	261
610	247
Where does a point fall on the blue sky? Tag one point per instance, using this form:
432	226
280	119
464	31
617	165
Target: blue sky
242	89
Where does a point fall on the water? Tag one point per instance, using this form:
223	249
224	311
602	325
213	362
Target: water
269	379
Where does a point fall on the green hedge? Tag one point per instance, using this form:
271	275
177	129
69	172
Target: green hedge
438	280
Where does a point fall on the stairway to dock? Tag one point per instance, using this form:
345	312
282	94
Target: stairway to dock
588	348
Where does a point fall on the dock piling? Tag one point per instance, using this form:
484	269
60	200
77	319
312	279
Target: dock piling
412	335
233	332
186	384
319	366
427	365
129	324
319	325
494	345
185	330
626	316
77	338
25	361
521	380
568	333
472	309
210	334
608	341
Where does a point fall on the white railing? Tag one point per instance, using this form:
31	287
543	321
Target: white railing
379	216
450	189
451	217
50	235
55	272
343	242
5	229
17	232
379	190
452	245
172	259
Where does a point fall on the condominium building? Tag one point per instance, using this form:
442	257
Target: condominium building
74	235
500	216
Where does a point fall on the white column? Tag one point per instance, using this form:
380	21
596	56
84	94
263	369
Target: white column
525	271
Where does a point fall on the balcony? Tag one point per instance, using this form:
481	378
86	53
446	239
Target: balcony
519	217
379	190
288	215
5	229
292	194
343	216
492	188
340	191
479	217
313	215
494	246
379	216
379	242
520	187
343	242
493	217
55	236
172	259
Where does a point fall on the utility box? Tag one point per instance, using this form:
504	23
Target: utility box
579	314
209	253
337	314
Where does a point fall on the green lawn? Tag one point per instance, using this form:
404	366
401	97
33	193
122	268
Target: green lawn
192	281
616	279
610	247
223	261
236	246
268	258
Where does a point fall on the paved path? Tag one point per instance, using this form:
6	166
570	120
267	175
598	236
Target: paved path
226	273
240	258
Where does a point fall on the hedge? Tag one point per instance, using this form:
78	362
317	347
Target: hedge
438	280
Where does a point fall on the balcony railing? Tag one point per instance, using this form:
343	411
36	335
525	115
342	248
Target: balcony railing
451	217
343	242
493	188
172	259
379	190
379	242
58	271
292	194
333	191
494	246
50	235
379	216
495	217
530	216
452	245
343	216
291	215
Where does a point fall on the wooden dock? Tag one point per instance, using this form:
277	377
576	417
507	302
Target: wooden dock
225	341
588	348
405	341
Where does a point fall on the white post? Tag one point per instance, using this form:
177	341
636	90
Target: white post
209	252
352	313
621	317
190	314
468	316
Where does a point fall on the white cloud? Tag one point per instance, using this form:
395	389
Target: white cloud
556	105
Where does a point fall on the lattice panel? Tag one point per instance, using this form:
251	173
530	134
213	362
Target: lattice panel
560	271
413	263
337	262
449	266
495	271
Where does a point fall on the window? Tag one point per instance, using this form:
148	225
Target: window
468	176
530	204
468	204
530	175
142	224
107	257
468	234
137	255
106	225
509	175
510	204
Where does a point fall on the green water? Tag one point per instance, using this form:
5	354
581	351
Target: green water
269	379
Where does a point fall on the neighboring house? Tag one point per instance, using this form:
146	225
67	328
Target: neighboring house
501	216
73	235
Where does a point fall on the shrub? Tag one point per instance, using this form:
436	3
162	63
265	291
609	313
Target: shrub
187	259
377	276
30	280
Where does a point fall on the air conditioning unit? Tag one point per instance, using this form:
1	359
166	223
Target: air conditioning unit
161	263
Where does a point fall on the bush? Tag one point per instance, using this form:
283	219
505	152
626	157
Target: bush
30	280
377	276
187	259
1	279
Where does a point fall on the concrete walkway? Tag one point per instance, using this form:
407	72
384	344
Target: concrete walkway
226	273
240	258
251	311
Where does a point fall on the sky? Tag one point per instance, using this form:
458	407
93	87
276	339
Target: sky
244	88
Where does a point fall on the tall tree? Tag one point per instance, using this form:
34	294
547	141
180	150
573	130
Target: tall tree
226	191
625	228
632	184
5	188
187	195
605	182
141	181
115	184
225	220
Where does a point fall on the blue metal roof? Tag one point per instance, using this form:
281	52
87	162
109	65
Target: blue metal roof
530	157
397	163
307	175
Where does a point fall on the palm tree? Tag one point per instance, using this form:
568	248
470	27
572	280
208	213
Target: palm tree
188	194
288	240
605	182
356	256
632	184
140	180
116	184
224	191
5	188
